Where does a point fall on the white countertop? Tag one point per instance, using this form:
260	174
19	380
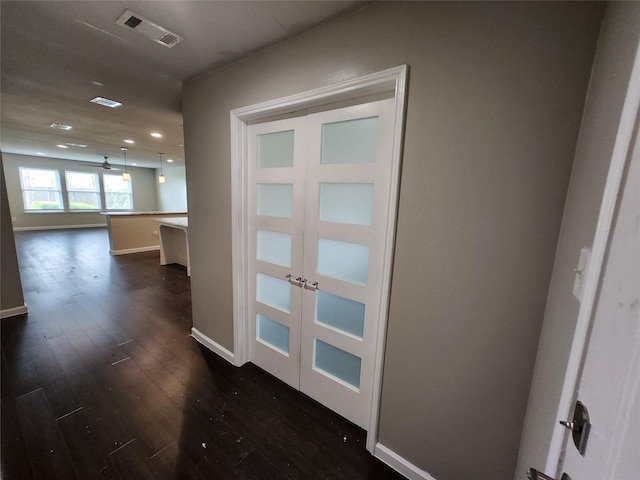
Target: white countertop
131	214
180	222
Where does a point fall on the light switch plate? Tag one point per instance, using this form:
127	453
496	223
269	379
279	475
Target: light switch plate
581	273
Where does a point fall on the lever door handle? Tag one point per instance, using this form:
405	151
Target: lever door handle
298	281
579	426
310	286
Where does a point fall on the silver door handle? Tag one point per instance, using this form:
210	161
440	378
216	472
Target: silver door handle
310	286
297	282
579	426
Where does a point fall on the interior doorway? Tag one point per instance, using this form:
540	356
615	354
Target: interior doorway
313	238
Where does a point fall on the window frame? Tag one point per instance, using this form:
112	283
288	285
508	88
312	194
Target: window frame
69	191
24	189
107	192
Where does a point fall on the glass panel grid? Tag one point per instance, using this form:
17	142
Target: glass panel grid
40	189
350	141
274	247
117	193
83	191
344	260
272	333
273	291
340	313
350	203
275	199
275	149
337	363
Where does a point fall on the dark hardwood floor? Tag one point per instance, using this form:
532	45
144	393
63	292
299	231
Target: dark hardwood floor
103	380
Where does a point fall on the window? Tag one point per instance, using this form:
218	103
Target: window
40	189
83	191
117	193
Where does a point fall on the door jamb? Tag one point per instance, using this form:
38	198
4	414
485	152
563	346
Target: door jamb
622	150
390	80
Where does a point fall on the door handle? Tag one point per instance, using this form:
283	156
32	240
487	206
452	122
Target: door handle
579	426
310	286
297	282
533	474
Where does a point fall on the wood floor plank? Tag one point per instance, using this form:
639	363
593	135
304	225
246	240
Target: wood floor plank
48	453
14	460
132	463
88	443
175	462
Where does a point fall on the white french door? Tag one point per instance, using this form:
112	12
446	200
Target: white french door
319	200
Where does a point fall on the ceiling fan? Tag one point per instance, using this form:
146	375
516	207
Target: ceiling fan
104	165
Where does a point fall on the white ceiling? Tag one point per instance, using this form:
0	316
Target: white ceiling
53	51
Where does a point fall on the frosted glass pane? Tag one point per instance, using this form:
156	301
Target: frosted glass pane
274	247
336	362
339	312
346	203
273	291
351	141
272	333
349	261
275	199
275	149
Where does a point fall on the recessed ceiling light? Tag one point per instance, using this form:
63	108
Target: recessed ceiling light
128	141
98	84
156	134
106	102
79	145
62	146
181	145
61	126
170	160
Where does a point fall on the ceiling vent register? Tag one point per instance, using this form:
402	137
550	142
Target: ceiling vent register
146	28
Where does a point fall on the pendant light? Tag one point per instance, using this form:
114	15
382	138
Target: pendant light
126	176
161	178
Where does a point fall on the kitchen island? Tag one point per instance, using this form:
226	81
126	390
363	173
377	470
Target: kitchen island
174	241
134	232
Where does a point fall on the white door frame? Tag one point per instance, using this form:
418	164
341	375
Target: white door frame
394	81
622	150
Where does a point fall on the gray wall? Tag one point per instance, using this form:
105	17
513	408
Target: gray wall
144	192
11	295
496	93
612	68
172	195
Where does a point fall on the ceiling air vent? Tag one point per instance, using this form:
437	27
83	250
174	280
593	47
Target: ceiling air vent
148	29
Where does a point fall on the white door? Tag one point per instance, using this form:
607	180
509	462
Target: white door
609	386
320	199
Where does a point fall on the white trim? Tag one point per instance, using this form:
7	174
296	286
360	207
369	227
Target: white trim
400	464
376	391
390	80
239	236
127	251
619	156
213	346
59	227
15	311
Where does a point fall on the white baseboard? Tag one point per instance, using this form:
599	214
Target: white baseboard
213	346
400	464
12	312
126	251
59	227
